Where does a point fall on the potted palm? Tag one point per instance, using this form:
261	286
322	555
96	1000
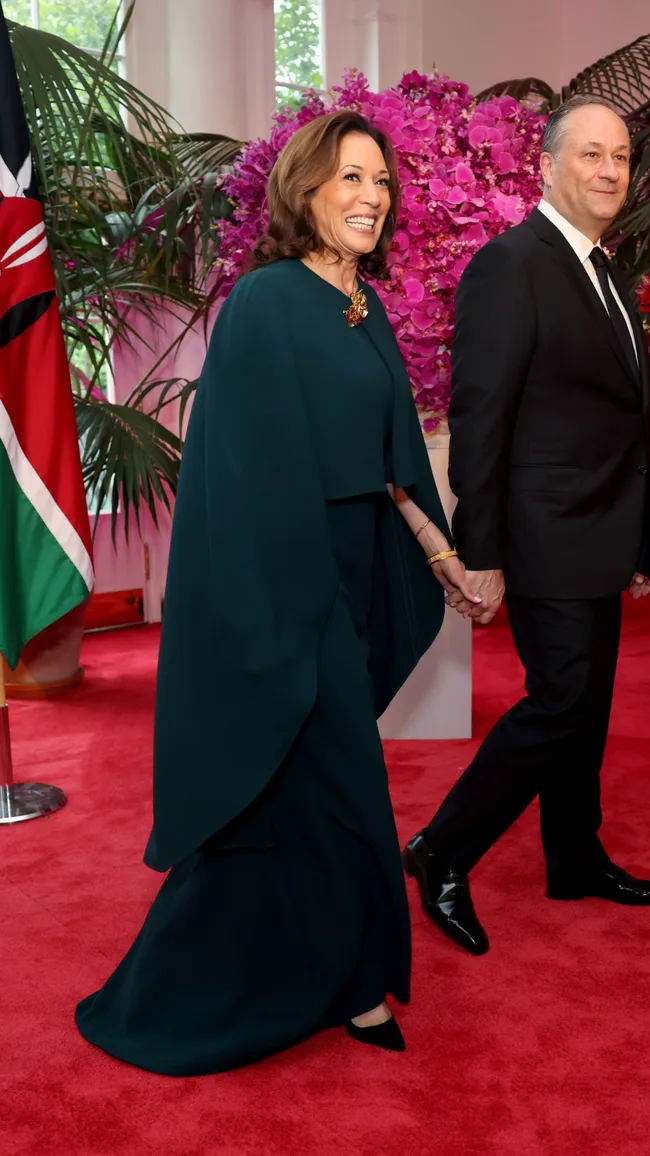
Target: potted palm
131	204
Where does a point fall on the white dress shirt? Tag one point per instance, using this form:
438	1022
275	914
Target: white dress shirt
582	247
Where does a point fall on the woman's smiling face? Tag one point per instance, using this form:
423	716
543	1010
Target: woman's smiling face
350	209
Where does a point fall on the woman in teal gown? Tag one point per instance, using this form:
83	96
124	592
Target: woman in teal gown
298	600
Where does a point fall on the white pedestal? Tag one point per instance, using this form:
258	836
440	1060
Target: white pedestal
436	701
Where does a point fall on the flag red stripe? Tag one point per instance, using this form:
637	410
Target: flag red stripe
34	374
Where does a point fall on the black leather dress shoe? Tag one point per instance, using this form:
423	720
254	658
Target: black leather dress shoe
610	882
446	896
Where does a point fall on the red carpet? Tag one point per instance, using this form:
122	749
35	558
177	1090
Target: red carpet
541	1048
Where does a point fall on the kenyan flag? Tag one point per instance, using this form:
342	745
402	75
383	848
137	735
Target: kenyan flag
45	553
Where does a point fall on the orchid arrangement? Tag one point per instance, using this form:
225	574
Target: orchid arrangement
468	172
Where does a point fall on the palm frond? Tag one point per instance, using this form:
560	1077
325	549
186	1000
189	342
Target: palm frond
115	197
128	458
631	232
170	390
64	89
623	77
202	153
131	206
532	91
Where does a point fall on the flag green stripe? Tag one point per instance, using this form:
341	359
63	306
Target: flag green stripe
38	582
43	500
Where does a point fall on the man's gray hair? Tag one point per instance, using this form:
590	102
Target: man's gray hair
555	126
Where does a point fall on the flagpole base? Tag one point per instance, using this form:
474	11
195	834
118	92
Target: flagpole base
22	801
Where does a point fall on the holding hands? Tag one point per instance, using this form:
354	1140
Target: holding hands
478	594
486	588
475	594
459	594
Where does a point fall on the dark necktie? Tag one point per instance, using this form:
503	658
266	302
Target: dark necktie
601	265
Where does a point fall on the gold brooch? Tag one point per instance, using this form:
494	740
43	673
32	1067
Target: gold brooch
358	310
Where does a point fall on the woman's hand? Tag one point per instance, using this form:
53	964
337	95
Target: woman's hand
489	585
450	573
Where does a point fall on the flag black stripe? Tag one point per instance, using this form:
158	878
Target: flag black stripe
19	318
14	137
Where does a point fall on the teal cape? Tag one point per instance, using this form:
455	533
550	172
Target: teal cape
251	579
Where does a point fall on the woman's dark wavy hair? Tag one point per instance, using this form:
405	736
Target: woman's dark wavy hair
309	158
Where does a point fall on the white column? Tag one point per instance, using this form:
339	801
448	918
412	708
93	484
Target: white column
257	65
205	63
377	40
339	40
220	64
389	39
146	50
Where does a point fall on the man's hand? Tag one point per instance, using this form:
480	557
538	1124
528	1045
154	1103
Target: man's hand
640	586
489	586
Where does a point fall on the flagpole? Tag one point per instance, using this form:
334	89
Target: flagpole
20	801
47	568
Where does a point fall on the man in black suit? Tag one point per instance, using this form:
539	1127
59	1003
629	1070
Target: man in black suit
548	461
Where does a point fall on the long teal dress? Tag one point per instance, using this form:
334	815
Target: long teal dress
297	602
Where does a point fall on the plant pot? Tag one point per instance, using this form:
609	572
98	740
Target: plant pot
49	663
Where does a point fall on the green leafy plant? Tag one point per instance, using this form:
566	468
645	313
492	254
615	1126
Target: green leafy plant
132	207
622	77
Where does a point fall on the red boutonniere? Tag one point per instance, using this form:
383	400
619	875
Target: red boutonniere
644	294
643	289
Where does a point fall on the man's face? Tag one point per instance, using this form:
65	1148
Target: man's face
588	179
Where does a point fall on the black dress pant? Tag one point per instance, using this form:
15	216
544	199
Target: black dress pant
550	744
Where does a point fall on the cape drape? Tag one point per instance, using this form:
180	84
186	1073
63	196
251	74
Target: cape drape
251	579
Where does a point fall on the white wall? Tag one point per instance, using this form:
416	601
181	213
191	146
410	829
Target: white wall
211	61
593	28
482	41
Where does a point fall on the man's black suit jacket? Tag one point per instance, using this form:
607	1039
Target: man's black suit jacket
549	431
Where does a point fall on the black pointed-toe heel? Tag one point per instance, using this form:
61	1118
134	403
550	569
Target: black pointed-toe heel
386	1035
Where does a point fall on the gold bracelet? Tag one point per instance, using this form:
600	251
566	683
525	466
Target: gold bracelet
441	557
423	527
